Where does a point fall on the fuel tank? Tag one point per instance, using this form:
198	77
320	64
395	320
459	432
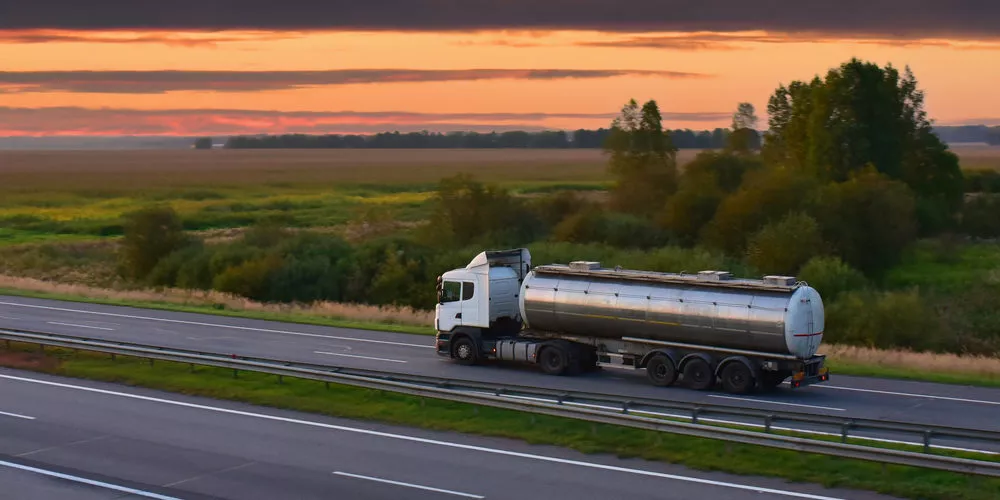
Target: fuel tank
776	314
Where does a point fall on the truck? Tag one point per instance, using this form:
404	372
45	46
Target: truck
699	330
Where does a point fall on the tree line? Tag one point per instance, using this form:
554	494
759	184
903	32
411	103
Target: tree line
581	138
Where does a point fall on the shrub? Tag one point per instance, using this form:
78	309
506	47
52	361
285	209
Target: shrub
869	220
885	320
981	216
765	196
831	277
783	247
150	234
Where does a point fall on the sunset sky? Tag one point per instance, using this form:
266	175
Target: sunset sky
189	67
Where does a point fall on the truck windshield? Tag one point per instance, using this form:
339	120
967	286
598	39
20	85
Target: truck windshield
451	291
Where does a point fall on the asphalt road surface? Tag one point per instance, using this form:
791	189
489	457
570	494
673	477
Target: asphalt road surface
941	404
67	438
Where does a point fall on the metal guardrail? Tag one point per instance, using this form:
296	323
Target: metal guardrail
649	414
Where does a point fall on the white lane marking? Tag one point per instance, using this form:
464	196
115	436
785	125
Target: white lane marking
774	402
80	326
414	439
8	317
408	485
362	357
945	398
215	325
745	424
147	494
15	415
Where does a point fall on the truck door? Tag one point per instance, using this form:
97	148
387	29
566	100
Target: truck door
449	309
470	304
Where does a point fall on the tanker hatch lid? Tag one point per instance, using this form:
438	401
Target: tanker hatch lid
779	280
714	275
584	265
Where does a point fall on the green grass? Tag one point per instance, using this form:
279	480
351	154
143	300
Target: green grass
364	404
839	367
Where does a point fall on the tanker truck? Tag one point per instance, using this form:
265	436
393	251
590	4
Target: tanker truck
698	330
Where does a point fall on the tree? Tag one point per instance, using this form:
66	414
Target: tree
868	220
203	143
861	114
643	159
783	247
744	137
150	234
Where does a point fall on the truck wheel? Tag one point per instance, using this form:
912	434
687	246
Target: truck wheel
698	375
464	351
737	378
661	370
553	360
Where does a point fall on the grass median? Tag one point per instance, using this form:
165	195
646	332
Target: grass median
391	408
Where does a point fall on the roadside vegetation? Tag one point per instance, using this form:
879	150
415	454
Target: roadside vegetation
370	405
899	240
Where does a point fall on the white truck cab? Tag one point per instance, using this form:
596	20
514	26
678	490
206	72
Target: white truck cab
481	292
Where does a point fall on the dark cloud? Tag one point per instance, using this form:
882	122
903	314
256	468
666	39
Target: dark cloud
166	38
736	41
156	82
923	18
107	121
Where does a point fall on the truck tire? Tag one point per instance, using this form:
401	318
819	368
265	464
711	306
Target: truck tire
661	371
554	360
698	375
737	378
464	351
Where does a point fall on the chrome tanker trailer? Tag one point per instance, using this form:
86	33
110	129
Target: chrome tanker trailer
700	328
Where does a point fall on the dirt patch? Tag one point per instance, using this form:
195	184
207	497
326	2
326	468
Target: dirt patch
28	361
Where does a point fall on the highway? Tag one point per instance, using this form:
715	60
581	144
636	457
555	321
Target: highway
67	438
920	402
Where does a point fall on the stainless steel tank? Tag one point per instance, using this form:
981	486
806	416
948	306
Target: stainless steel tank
773	315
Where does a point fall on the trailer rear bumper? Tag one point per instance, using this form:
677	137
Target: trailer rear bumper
811	372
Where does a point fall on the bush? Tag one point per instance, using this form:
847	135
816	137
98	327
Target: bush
150	234
766	196
981	216
783	247
869	220
691	208
615	229
831	277
982	181
885	320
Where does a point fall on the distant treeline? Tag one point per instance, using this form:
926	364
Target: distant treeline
582	138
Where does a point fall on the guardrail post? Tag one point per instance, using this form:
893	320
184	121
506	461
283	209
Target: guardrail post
694	414
927	441
235	373
767	423
843	431
625	406
280	381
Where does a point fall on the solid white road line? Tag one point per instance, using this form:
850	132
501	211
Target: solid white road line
414	439
408	485
15	415
83	480
890	393
214	325
774	402
80	326
356	356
